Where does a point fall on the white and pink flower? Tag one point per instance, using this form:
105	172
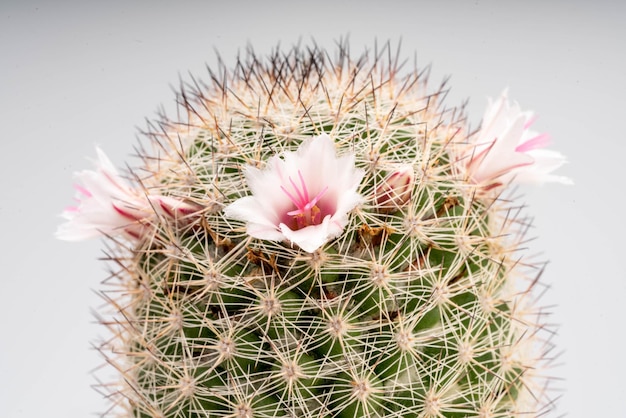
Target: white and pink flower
304	198
107	205
506	149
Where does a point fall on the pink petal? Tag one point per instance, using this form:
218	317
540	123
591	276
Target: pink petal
539	141
82	190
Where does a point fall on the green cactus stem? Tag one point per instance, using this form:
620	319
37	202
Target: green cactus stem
418	303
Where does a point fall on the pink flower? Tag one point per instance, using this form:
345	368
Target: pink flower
304	198
108	205
505	149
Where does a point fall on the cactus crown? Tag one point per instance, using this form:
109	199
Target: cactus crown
415	301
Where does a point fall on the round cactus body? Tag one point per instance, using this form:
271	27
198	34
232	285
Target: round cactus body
317	237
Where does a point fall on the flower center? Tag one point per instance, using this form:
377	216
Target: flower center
307	212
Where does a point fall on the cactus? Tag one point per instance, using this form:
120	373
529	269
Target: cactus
318	237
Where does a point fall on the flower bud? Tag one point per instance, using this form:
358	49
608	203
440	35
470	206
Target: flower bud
396	190
175	208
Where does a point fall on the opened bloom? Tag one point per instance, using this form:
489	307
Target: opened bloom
506	149
108	205
304	198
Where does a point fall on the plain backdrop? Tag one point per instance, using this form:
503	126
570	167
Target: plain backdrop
77	74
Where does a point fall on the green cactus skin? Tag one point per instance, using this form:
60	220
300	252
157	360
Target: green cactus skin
424	310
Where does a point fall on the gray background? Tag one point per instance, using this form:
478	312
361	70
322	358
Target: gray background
75	74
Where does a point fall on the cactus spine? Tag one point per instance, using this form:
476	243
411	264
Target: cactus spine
420	307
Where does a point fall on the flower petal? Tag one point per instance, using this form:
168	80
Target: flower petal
309	238
261	220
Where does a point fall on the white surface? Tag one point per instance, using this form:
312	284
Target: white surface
77	74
